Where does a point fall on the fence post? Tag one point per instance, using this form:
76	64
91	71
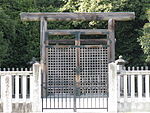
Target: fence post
112	100
120	67
120	79
7	93
36	88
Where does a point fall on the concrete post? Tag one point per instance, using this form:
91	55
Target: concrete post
7	93
120	79
112	100
120	67
36	88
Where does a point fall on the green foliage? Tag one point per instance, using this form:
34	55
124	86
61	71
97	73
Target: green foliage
23	37
3	48
6	33
127	33
145	38
20	40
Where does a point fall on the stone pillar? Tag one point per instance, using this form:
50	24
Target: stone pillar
36	88
120	68
120	79
112	100
6	83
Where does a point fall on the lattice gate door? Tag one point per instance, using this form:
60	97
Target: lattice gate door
77	77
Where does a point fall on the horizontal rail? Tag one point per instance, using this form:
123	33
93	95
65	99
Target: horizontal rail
74	46
66	16
16	73
136	72
82	41
72	108
81	31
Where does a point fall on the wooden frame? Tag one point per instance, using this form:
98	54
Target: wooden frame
66	16
82	41
111	17
82	32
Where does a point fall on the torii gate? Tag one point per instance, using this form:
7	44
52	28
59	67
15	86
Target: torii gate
78	58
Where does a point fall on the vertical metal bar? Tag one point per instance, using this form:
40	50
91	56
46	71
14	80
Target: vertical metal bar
46	87
42	92
107	91
102	79
51	74
66	84
55	73
97	77
87	76
91	89
108	54
69	78
106	71
99	83
83	80
46	64
59	79
62	78
77	77
66	78
46	92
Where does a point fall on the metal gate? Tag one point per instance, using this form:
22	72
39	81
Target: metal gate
77	77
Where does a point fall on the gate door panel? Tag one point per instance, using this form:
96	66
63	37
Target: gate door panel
61	74
67	90
93	78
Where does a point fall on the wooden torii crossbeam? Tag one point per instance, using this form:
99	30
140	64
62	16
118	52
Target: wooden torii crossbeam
111	17
92	16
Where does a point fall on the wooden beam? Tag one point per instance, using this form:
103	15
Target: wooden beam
82	41
81	31
43	28
66	16
111	36
75	46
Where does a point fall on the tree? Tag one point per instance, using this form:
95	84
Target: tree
3	48
127	33
23	42
6	33
145	38
23	37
